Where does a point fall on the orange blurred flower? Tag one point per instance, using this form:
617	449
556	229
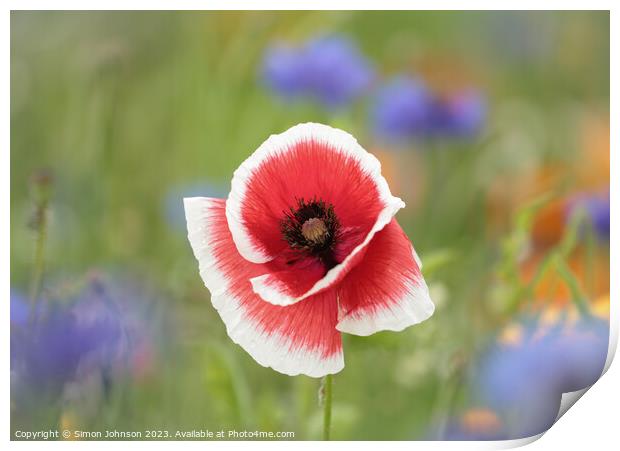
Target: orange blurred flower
480	421
548	225
69	422
588	171
592	167
552	289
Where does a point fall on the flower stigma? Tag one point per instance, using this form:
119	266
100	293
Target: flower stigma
312	230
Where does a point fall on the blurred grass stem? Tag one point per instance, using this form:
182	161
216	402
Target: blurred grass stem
326	396
41	182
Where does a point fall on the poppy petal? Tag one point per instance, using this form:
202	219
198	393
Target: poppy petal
387	291
277	286
308	161
299	339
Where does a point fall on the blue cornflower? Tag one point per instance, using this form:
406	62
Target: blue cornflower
405	109
460	115
91	331
283	70
48	354
328	69
524	383
402	110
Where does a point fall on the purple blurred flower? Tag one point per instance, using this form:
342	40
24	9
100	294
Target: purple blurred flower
329	69
405	109
461	115
283	70
96	331
46	354
19	308
401	110
525	382
49	354
597	208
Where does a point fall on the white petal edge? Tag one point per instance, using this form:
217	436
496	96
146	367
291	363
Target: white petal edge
413	308
269	350
277	144
271	294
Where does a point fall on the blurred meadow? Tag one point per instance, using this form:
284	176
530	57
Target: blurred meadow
493	127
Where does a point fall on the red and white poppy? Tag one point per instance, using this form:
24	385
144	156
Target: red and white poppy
306	247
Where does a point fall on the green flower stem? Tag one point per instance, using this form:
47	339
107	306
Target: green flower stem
577	296
326	391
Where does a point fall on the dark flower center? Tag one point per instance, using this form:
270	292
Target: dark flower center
311	228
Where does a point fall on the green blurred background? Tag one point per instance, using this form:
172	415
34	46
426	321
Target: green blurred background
129	111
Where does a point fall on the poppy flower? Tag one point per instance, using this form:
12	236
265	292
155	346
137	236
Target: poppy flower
306	247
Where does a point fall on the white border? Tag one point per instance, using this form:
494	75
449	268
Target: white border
595	421
338	5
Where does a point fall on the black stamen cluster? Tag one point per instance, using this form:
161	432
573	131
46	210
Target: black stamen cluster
292	224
